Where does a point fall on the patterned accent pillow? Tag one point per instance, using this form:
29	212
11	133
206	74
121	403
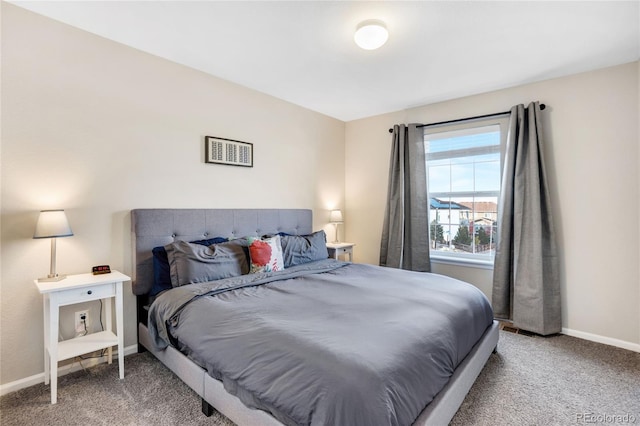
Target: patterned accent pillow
265	254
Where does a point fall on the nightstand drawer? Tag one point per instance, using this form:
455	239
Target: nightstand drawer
78	295
337	249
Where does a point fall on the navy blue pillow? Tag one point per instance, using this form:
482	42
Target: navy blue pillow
161	273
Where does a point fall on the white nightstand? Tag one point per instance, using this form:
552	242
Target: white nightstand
337	249
78	289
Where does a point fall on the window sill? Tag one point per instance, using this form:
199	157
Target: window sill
457	261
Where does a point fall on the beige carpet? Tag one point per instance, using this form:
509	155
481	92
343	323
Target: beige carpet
558	380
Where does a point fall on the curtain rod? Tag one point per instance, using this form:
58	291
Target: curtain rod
542	106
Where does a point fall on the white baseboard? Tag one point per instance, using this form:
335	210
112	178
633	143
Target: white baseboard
635	347
66	369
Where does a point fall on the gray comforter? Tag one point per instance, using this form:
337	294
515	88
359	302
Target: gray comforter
327	343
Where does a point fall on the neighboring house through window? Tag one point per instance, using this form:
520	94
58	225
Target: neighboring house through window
464	165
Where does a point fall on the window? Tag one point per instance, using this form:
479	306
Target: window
464	165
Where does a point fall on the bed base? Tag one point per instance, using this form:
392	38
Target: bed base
439	412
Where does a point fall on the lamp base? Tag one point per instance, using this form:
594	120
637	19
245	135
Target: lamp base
335	225
53	278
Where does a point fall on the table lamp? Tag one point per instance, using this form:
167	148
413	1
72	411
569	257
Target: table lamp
52	224
335	217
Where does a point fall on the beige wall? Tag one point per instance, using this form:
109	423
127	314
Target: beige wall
98	129
592	139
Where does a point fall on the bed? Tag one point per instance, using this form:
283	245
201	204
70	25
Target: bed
361	385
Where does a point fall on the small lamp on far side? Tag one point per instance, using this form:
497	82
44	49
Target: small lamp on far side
52	224
335	217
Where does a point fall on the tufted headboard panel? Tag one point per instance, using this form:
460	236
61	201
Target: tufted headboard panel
158	227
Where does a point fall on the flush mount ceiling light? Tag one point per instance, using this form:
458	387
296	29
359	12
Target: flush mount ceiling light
371	34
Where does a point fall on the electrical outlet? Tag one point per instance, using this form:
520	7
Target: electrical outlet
82	322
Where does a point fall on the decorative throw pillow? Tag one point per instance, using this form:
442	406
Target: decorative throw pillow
265	254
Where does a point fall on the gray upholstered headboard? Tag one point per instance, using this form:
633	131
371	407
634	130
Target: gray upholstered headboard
158	227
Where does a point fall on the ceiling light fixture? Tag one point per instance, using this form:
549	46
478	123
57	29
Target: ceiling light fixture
371	34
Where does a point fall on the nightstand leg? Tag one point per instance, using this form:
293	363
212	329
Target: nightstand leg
120	328
53	348
45	310
109	322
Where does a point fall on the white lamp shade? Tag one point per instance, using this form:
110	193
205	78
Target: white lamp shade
52	224
371	34
335	216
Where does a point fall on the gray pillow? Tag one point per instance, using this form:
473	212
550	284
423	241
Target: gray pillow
299	249
194	263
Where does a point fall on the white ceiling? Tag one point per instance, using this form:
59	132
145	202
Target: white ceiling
303	51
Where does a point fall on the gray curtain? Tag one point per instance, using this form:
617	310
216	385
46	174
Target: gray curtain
526	284
405	233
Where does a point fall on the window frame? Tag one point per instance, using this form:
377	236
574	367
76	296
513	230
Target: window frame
467	259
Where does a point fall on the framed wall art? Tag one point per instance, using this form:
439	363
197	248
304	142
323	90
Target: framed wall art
227	151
